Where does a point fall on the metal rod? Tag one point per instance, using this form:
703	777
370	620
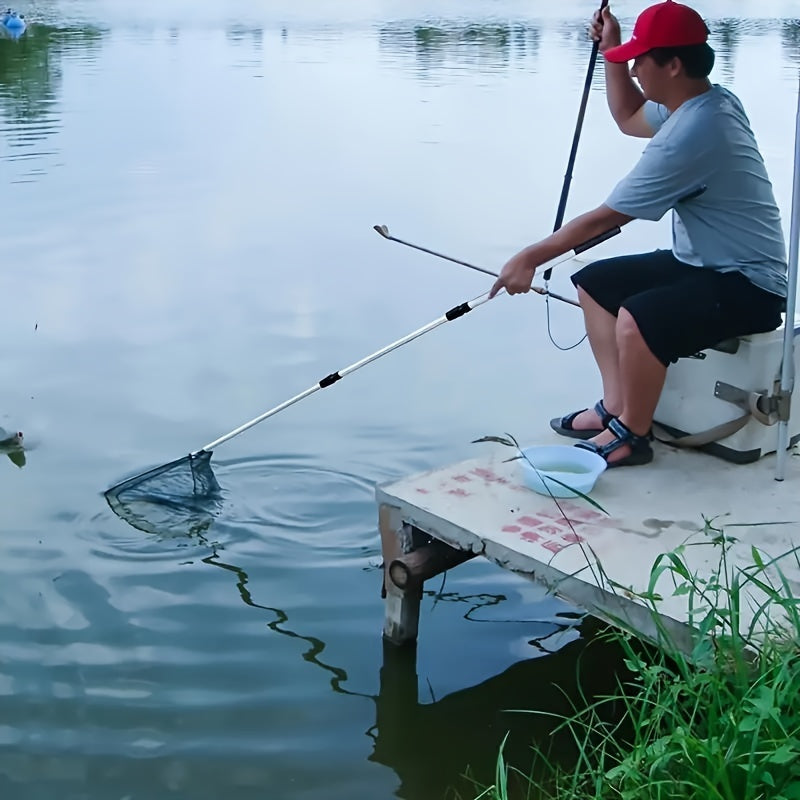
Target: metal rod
328	380
787	367
384	231
562	203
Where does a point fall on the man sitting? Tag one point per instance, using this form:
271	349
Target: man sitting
725	275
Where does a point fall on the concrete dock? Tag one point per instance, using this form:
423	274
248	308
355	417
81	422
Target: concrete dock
601	562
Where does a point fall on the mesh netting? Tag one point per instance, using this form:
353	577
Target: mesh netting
180	497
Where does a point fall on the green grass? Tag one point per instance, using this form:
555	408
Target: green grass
721	722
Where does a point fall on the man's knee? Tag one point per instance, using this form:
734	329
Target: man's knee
631	340
628	332
592	309
626	326
584	298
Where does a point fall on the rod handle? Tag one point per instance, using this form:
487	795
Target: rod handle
599	239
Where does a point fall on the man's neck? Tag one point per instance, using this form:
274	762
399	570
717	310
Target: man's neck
686	90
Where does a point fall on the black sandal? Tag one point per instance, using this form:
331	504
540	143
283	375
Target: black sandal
563	426
641	451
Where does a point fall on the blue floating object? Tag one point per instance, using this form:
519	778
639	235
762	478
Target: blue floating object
13	23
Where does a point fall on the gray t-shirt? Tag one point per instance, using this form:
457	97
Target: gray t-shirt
734	224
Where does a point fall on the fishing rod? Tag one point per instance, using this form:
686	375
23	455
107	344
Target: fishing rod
562	203
384	231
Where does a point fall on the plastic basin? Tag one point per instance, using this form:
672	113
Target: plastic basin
546	468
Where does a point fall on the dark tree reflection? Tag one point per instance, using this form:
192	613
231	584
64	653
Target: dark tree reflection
31	75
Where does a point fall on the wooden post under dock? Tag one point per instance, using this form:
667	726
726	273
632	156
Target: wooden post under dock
599	562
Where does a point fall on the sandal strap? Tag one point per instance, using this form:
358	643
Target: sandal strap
603	413
624	435
567	420
641	451
590	446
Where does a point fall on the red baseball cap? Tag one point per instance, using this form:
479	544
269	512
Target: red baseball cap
666	24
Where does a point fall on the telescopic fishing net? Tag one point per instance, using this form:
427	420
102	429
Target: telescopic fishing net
180	497
184	495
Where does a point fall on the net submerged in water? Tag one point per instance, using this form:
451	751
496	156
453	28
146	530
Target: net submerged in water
180	497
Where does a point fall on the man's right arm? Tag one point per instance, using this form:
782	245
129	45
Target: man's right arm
625	100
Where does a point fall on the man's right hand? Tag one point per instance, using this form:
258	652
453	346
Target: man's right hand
517	274
604	29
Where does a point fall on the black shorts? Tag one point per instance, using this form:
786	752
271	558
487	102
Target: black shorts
680	309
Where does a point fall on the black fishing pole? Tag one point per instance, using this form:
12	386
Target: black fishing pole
562	203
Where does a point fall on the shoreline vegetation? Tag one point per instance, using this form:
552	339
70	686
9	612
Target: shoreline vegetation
721	722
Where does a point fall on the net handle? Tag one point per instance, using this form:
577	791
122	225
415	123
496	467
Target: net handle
448	316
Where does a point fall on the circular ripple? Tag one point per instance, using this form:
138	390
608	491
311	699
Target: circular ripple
272	506
290	501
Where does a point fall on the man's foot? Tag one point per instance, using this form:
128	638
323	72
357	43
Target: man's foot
620	446
583	424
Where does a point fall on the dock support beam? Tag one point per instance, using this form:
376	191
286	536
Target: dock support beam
410	557
426	562
401	620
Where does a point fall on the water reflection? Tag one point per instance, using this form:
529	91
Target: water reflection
493	47
279	623
445	748
31	68
31	72
437	746
245	34
727	35
486	47
440	746
790	39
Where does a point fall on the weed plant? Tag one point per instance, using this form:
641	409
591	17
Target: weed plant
719	722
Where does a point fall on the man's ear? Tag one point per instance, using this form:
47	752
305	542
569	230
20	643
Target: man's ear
675	67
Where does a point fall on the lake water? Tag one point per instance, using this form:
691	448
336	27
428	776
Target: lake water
189	191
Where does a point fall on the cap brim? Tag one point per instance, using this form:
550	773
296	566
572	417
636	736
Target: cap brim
625	52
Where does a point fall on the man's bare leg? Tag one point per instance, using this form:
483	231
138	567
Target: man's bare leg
601	330
641	377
